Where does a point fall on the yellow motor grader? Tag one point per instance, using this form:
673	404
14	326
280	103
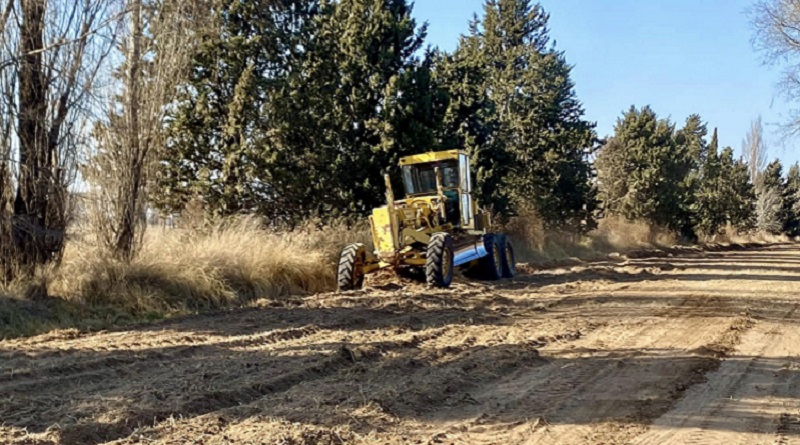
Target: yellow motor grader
436	228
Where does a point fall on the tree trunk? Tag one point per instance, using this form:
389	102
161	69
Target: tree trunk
30	203
131	188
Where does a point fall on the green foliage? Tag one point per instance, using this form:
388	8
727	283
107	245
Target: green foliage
286	92
791	201
364	87
709	203
513	106
471	121
772	176
218	148
337	91
643	170
724	194
741	192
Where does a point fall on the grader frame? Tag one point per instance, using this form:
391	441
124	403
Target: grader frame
438	227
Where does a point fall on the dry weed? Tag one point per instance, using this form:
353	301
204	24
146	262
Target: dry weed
178	271
230	263
536	244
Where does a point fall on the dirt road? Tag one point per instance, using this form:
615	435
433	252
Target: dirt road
702	349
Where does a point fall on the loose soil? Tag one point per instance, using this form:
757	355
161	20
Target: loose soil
701	349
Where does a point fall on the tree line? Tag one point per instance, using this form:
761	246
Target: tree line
295	109
338	91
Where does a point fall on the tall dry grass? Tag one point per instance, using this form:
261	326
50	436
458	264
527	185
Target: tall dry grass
535	244
177	272
230	263
731	235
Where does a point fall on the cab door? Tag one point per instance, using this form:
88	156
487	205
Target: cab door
465	190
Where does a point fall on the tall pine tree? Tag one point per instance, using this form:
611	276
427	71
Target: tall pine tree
709	205
791	201
642	171
536	122
218	148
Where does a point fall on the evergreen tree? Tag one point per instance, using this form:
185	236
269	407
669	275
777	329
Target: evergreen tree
217	148
642	171
771	218
710	196
471	122
364	48
725	194
692	147
537	122
739	193
772	176
326	90
791	201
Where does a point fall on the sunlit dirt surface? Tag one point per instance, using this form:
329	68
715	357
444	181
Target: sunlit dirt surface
692	349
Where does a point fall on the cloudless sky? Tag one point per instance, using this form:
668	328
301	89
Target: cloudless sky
678	56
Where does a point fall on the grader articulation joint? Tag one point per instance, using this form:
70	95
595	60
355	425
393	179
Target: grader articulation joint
436	228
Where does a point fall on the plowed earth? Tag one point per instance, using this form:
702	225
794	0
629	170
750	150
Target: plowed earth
693	349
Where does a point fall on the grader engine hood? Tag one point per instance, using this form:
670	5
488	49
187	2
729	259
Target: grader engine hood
406	222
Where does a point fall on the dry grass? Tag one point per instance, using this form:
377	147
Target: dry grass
535	244
730	235
178	272
228	264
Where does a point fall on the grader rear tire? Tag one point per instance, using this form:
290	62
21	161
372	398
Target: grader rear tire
492	264
352	259
439	262
509	259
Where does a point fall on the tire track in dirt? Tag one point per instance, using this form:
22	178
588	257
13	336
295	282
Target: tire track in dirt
70	364
434	353
723	409
575	385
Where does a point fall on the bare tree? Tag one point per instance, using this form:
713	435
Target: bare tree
754	150
51	52
159	42
777	37
768	208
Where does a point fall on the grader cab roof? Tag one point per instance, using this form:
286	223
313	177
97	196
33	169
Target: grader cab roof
433	156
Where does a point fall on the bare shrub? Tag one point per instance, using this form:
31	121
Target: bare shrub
534	243
768	210
158	47
50	53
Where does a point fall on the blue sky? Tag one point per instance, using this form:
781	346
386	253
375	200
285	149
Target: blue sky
678	56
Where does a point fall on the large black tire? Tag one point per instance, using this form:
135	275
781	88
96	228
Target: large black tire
509	259
352	259
492	264
439	262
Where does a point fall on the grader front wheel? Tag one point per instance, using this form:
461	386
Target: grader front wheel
439	263
350	275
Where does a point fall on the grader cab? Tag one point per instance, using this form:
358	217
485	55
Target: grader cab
436	228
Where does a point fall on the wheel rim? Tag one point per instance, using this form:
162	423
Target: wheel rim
497	259
446	263
510	258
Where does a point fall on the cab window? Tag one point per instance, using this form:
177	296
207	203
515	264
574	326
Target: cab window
420	179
